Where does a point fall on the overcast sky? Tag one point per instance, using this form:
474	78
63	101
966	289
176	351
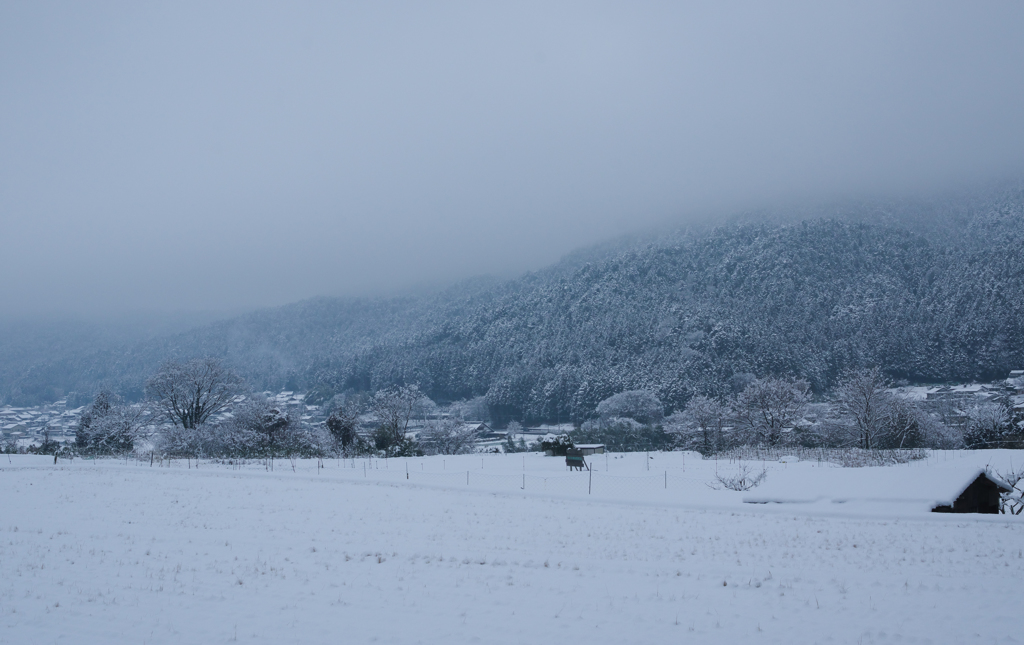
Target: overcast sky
212	156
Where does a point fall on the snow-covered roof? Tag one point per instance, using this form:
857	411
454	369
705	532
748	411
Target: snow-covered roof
804	483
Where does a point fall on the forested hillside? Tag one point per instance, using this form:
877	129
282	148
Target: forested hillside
701	315
680	314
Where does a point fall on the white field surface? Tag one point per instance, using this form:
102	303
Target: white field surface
108	552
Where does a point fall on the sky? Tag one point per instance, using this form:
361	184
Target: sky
222	156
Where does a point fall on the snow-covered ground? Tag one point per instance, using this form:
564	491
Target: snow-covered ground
113	552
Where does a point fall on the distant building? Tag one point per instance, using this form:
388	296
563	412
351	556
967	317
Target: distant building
980	495
587	449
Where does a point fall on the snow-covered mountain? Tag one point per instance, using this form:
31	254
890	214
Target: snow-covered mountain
938	296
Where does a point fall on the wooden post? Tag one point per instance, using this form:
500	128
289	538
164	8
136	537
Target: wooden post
590	480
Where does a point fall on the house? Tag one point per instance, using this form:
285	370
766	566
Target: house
482	431
916	488
980	495
587	449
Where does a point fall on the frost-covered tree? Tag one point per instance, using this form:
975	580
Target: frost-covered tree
699	427
768	407
393	409
265	422
640	405
189	393
864	403
449	437
905	425
988	424
474	409
185	443
111	426
343	423
513	445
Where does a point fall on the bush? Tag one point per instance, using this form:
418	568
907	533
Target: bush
558	446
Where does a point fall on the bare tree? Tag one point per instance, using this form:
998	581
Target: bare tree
864	404
767	407
393	409
700	424
905	424
190	393
987	423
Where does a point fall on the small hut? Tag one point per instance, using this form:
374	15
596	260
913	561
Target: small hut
980	495
591	449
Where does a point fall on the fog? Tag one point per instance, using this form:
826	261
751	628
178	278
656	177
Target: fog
216	156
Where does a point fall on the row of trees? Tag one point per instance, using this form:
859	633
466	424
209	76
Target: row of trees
180	418
862	412
184	399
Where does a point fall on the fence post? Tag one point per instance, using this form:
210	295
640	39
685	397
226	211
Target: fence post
666	480
467	478
590	480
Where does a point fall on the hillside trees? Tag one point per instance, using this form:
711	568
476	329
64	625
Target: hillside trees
680	315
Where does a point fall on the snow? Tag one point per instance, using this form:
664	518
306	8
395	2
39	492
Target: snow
406	552
919	486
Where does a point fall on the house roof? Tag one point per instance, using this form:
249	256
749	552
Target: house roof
804	483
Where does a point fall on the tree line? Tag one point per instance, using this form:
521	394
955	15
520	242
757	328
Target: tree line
863	411
180	419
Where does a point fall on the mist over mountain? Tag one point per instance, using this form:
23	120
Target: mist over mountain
927	290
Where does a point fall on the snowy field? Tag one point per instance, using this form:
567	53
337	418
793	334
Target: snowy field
501	549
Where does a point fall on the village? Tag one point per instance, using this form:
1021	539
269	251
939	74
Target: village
23	428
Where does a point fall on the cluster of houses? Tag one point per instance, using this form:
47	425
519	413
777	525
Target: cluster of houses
953	402
26	426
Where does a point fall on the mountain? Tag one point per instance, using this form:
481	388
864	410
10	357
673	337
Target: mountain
935	296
